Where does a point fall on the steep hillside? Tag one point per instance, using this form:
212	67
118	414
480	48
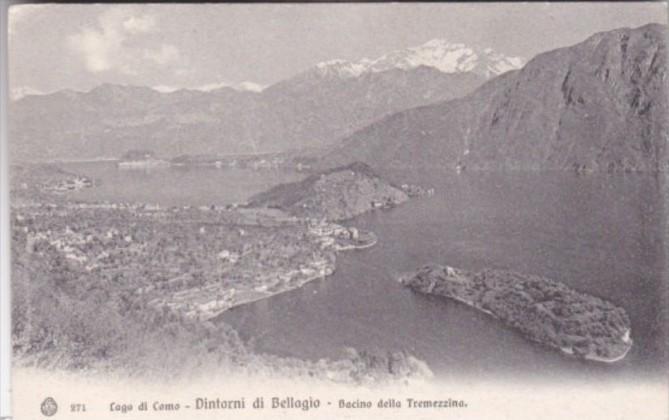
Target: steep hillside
315	109
598	105
337	194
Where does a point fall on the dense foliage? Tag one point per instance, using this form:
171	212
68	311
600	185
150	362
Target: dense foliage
545	311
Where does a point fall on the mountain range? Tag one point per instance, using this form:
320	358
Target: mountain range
440	54
312	110
597	105
600	105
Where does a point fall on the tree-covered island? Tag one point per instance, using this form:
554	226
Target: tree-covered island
544	311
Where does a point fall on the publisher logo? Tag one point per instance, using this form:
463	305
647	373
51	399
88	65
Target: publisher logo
49	407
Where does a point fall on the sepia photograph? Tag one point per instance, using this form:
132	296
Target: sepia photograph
336	210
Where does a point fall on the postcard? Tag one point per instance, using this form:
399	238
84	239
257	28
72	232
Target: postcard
335	211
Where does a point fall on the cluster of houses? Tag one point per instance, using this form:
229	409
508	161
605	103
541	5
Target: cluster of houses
321	227
416	191
208	301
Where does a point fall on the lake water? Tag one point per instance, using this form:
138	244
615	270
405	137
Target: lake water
600	234
175	186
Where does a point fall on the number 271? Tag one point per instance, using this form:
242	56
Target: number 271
77	408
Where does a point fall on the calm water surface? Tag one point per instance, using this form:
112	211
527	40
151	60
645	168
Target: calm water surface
177	185
600	234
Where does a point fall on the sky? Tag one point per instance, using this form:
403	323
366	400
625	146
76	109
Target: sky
74	46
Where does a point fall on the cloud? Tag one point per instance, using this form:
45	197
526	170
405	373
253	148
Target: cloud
164	55
96	47
118	43
139	24
20	13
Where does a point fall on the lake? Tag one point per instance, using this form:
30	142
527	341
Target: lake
175	186
600	234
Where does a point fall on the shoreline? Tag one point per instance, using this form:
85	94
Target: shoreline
269	295
405	280
299	284
373	241
566	351
211	299
143	164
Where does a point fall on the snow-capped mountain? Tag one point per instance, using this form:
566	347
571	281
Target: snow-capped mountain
300	112
240	87
245	86
342	68
440	54
601	105
249	87
22	91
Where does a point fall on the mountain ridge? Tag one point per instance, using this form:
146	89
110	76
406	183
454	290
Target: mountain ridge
433	53
597	105
301	112
447	57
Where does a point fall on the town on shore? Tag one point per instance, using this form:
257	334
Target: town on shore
144	270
